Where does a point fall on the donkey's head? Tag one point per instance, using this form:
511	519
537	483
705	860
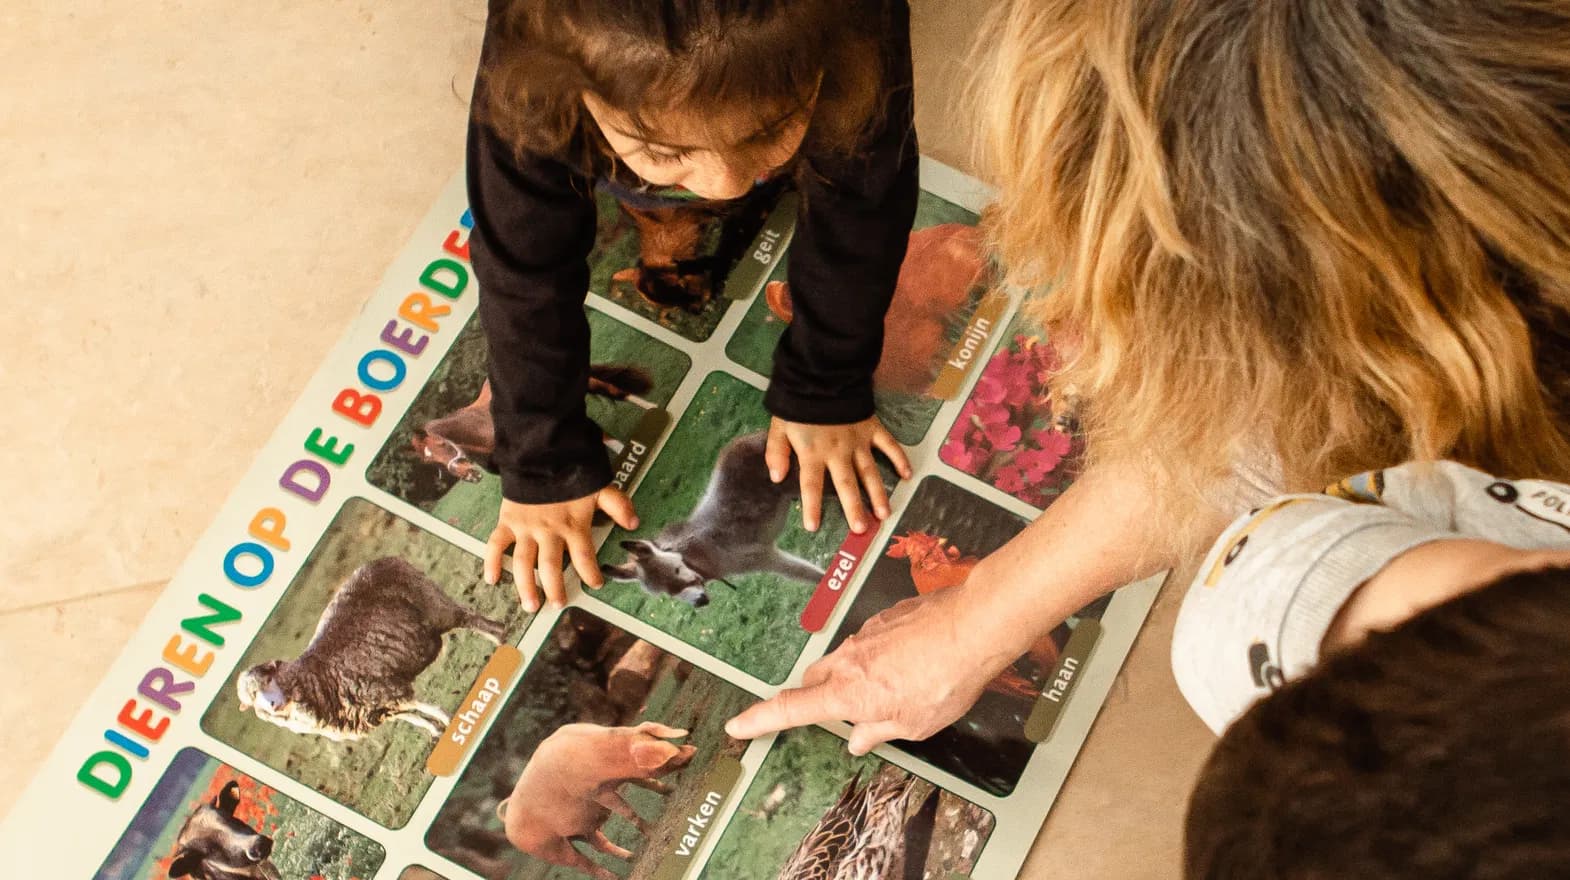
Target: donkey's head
661	571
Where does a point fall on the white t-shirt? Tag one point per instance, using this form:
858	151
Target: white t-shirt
1270	587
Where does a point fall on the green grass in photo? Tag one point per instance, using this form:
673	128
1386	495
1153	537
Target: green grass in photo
755	627
383	775
455	383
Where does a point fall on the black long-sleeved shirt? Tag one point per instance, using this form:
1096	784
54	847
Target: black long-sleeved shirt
534	226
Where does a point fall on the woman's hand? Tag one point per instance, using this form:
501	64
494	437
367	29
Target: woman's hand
541	533
912	670
845	451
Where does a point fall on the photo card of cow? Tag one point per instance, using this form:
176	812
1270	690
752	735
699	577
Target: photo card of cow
1012	432
720	559
681	261
359	668
208	821
942	534
932	320
597	765
438	456
814	810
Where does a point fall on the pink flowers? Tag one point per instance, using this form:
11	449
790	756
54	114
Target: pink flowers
1005	433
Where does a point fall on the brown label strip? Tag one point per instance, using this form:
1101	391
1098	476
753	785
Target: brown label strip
483	701
1044	716
702	818
767	247
972	346
639	448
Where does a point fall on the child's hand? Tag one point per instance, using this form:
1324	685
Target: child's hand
846	452
542	532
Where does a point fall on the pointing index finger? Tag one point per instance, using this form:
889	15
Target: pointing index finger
793	707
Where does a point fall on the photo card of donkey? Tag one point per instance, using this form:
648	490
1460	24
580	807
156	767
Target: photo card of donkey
720	559
438	456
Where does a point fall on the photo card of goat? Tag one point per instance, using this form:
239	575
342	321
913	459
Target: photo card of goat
670	258
206	820
438	457
356	674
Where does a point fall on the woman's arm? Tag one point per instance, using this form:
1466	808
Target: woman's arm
917	667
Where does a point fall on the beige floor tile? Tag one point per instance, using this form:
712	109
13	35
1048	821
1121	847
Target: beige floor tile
199	199
50	660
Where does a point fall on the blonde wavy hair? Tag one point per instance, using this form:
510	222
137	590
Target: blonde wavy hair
1337	231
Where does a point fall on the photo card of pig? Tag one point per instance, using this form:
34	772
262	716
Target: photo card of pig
597	764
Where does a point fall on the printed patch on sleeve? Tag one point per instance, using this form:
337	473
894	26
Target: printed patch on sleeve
1540	500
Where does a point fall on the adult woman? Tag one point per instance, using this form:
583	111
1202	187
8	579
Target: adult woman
1290	240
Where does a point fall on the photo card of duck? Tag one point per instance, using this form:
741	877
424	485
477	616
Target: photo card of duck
935	543
1012	431
720	559
208	821
597	765
932	321
356	674
438	458
815	812
669	256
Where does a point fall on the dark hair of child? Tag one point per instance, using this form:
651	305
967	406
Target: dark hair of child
763	61
1439	749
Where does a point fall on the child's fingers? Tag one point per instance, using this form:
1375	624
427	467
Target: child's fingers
581	549
551	549
495	549
619	508
811	495
885	442
776	452
523	559
849	490
867	468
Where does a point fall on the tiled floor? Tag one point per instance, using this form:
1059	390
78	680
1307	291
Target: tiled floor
199	196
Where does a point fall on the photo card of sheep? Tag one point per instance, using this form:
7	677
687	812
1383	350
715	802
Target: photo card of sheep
329	689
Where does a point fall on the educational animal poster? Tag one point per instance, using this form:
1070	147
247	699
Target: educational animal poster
329	690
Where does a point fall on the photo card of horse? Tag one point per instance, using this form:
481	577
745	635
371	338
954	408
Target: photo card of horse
207	820
720	559
940	537
418	872
355	675
670	258
932	321
813	810
438	457
1012	432
597	764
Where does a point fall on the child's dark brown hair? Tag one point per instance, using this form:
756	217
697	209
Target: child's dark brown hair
754	59
1440	749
